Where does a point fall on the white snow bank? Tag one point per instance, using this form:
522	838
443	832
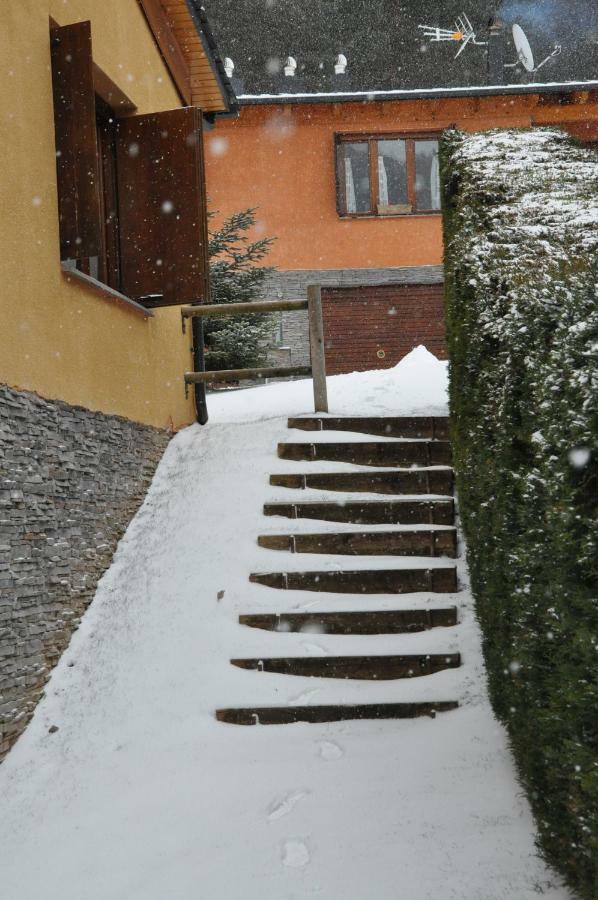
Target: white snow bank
416	386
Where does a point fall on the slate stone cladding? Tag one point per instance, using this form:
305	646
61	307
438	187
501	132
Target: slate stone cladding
70	482
292	284
374	327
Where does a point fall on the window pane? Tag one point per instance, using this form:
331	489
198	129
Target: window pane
392	176
427	178
357	177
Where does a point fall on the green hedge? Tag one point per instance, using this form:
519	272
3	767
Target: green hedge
521	237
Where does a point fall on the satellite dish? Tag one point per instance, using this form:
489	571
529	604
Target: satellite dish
524	51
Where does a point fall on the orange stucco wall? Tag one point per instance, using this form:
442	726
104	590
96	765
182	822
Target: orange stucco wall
280	159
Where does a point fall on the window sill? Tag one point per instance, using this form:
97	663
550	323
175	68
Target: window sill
369	216
103	290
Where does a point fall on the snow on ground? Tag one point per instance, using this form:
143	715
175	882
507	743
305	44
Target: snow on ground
142	795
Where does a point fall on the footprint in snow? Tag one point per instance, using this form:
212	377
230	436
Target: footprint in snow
304	695
280	808
295	854
329	750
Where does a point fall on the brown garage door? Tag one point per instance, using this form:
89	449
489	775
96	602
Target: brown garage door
374	327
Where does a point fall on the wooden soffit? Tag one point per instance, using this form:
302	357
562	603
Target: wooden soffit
195	68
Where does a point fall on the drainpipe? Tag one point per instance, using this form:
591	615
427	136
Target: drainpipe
199	362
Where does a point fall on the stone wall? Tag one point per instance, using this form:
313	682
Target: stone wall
70	482
292	284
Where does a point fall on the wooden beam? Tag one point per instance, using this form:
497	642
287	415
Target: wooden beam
244	374
110	92
169	47
231	309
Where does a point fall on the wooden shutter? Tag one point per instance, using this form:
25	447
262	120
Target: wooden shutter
162	207
76	144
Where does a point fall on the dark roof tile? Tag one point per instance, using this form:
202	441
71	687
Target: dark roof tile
386	50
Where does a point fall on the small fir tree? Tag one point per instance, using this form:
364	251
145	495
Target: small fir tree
239	341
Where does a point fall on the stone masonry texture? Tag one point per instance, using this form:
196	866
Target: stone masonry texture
292	284
70	482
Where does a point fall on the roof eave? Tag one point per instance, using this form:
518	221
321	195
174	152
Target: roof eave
418	93
212	52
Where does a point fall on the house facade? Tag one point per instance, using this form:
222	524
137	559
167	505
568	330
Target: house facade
337	148
103	235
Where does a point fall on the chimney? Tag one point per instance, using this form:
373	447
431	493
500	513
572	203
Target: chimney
496	51
290	67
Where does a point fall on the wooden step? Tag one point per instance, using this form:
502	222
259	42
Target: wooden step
288	715
377	512
409	481
395	621
372	453
426	542
434	429
363	668
373	581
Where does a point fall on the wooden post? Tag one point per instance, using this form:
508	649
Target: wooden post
316	341
201	405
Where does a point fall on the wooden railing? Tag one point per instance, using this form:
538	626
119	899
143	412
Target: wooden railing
317	369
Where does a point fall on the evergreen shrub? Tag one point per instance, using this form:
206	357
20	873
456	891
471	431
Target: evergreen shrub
521	238
237	276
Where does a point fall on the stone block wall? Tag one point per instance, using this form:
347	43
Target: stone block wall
70	482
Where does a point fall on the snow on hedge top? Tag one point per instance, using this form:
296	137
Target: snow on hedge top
538	185
521	229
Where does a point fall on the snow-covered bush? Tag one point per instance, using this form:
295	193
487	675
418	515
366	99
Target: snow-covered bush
521	234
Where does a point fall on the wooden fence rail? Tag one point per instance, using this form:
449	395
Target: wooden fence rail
231	309
243	374
317	370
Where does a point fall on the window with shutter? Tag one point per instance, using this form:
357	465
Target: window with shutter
76	150
131	190
162	209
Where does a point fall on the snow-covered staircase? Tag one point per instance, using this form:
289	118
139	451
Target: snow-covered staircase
400	554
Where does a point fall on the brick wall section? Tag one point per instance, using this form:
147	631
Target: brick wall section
393	319
292	284
70	482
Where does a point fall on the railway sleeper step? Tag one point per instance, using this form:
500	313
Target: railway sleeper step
289	715
429	428
371	581
378	512
403	621
372	453
363	668
425	542
408	481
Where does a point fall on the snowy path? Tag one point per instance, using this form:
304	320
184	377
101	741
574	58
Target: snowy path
142	795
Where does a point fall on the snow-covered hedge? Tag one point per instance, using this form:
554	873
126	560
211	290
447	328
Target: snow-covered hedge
521	233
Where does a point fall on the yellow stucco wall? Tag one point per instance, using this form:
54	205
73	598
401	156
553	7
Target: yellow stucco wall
61	339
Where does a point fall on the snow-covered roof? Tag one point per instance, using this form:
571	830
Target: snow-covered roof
389	55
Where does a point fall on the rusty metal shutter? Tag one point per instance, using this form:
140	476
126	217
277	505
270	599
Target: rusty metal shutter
162	207
76	144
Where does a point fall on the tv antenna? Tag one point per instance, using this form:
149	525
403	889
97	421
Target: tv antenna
525	54
463	33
